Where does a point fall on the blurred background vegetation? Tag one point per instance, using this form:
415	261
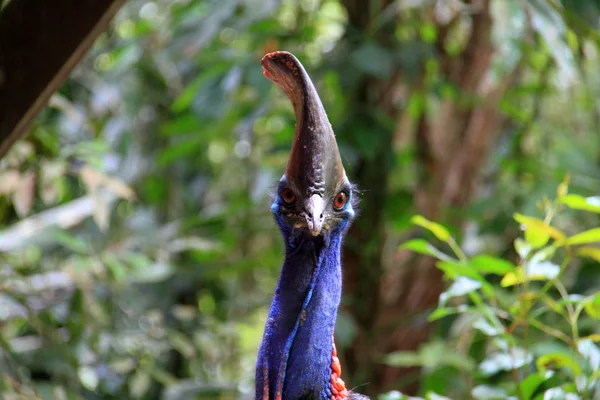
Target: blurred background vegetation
138	257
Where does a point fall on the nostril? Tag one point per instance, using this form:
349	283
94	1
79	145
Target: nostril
321	217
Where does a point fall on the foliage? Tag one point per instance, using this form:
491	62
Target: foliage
137	253
519	331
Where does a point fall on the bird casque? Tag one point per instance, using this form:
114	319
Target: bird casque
313	206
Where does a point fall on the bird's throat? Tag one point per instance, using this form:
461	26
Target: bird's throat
297	357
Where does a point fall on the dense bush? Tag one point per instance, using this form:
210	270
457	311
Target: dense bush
518	331
138	256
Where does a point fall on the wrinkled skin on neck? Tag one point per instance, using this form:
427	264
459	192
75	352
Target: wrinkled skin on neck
296	353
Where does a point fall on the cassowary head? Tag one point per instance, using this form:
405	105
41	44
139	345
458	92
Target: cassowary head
297	359
314	195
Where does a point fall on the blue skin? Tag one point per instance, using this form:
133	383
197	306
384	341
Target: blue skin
298	339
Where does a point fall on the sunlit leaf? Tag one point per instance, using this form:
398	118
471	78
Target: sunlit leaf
396	395
438	230
539	230
591	252
552	29
589	236
592	306
536	237
460	287
139	384
523	248
155	272
422	246
578	202
558	360
543	254
484	392
595	337
590	352
434	396
497	362
533	272
563	188
485	327
88	377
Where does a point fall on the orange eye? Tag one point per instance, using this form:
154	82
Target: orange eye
288	196
340	200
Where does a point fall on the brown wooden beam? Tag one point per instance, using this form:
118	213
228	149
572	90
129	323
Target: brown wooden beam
41	41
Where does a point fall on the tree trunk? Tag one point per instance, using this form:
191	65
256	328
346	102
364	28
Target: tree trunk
390	307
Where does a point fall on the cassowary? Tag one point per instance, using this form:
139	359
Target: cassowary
313	207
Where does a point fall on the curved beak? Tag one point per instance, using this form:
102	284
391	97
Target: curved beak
315	165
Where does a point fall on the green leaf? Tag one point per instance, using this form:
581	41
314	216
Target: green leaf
69	241
577	202
455	270
528	385
558	360
522	248
434	396
373	59
396	395
536	237
438	230
88	377
484	392
430	355
139	384
592	306
491	265
590	352
155	272
552	29
539	230
497	362
589	236
403	359
117	268
422	246
442	312
486	328
591	252
187	96
541	271
460	287
543	254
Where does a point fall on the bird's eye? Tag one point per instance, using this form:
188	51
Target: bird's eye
288	196
340	200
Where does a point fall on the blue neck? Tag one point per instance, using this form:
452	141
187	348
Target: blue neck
295	355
